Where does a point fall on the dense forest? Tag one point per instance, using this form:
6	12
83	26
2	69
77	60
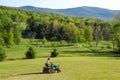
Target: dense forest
16	24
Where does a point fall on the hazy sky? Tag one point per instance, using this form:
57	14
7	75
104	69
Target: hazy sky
58	4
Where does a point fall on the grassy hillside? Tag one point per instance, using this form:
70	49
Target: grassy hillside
73	68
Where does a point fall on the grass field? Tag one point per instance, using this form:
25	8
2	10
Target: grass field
79	49
82	61
73	68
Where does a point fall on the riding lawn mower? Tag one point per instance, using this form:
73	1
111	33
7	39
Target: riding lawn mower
54	68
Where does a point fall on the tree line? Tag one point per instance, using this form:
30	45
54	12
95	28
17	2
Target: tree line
17	24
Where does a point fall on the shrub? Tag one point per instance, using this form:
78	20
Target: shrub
44	40
54	53
2	54
1	41
54	44
63	43
30	54
110	46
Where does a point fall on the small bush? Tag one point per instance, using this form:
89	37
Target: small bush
2	42
110	46
44	40
30	54
2	54
54	44
63	43
54	53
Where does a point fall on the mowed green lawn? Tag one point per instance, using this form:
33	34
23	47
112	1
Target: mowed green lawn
79	49
73	68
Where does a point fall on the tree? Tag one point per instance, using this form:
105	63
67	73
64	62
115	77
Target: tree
10	38
1	40
81	36
52	26
30	54
54	53
44	40
71	32
115	33
17	34
88	33
97	32
2	54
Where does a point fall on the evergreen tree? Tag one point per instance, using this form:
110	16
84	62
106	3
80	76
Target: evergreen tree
44	40
54	53
30	54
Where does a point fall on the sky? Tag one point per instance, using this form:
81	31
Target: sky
62	4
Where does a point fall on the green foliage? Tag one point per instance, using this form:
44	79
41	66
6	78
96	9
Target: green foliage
110	46
54	53
2	54
10	20
88	33
63	43
44	40
81	36
15	24
17	33
30	54
115	33
1	40
10	38
68	49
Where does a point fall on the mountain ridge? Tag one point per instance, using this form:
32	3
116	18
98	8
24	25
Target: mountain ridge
84	11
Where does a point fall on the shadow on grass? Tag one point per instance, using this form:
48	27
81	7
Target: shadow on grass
34	73
92	53
77	51
13	75
13	59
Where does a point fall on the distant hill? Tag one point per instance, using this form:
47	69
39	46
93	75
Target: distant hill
37	9
85	11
